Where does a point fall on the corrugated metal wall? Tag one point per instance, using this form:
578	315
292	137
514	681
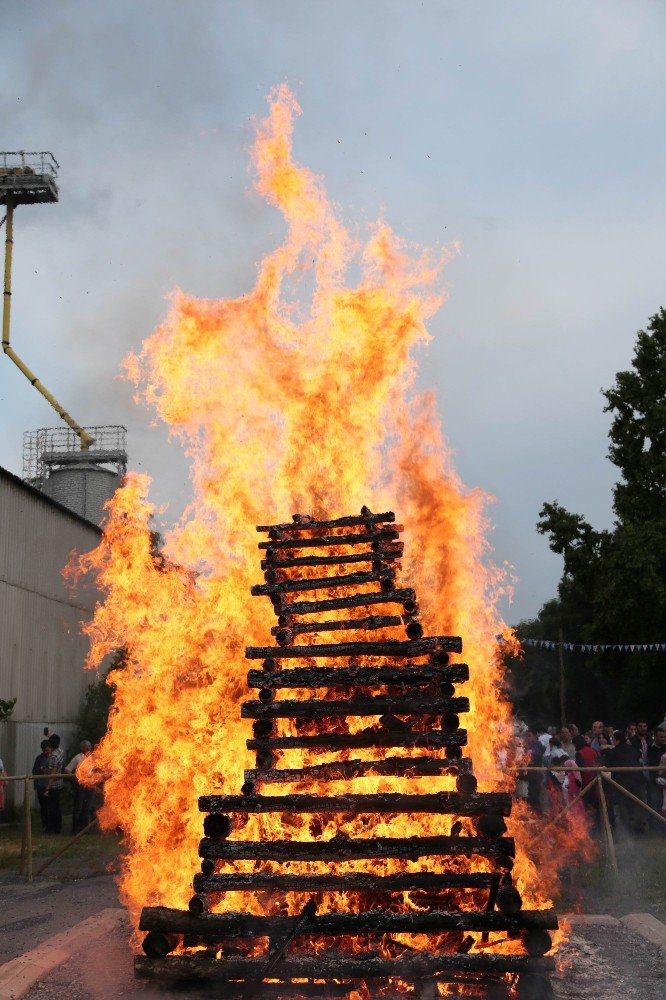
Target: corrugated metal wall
41	648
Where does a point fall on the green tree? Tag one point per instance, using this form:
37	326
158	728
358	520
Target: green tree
613	585
6	708
93	715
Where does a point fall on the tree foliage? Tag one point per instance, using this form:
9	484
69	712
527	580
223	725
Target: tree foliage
6	708
613	585
93	718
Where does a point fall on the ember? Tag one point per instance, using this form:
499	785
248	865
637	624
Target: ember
361	931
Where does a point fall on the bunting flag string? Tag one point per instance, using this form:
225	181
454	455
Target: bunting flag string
596	647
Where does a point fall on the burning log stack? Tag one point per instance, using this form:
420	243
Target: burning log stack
405	688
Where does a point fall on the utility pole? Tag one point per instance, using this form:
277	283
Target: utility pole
563	709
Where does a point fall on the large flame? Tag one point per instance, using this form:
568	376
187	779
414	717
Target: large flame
296	397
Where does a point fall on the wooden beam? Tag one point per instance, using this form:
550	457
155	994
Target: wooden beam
165	919
375	555
348	707
355	600
327	677
351	882
343	770
340	849
370	623
388	517
357	741
388	647
457	803
322	582
356	538
338	966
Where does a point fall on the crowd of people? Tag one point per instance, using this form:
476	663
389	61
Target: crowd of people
565	754
49	767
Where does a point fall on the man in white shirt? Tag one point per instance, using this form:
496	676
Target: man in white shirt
81	810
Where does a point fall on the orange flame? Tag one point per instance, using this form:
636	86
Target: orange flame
296	397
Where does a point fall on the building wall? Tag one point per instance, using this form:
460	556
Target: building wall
41	647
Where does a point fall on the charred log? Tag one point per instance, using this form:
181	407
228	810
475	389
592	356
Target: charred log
371	623
341	849
392	550
327	677
389	647
312	709
386	802
388	517
352	882
344	770
355	600
323	582
167	920
338	966
368	738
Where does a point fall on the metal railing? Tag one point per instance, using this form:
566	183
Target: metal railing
19	161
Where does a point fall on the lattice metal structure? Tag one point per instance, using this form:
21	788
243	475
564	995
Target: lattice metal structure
50	447
28	178
461	900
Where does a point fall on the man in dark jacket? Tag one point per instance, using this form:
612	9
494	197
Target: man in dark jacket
41	766
655	791
623	754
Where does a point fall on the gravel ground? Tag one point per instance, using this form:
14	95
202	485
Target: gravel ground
606	962
609	962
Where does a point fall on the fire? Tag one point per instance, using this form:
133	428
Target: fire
298	396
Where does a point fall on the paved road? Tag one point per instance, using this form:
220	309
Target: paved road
29	914
598	961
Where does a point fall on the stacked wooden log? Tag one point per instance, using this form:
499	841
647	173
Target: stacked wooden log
403	684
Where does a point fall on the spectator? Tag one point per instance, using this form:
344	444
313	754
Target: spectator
654	755
535	751
54	785
82	808
631	731
623	754
3	774
641	742
41	767
574	730
597	730
661	780
586	756
555	778
566	741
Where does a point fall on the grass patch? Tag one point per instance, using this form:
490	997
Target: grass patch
92	854
638	887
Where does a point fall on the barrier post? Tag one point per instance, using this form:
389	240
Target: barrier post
610	844
25	825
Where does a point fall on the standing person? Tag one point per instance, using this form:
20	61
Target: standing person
41	767
654	755
586	756
597	730
623	754
641	741
535	752
3	774
566	741
53	784
81	810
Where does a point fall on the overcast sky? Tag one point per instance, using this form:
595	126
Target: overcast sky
533	133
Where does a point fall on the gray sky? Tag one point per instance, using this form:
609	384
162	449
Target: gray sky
531	132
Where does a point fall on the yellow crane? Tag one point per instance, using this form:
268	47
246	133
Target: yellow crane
28	179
